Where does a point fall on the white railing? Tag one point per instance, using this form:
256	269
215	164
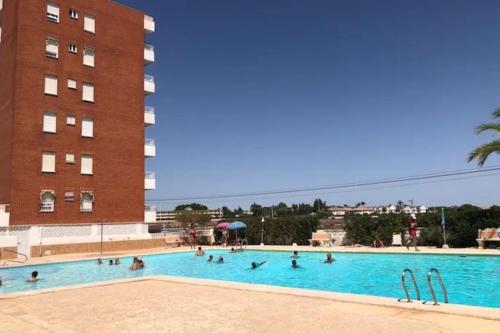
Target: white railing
149	84
149	24
4	214
149	54
149	148
149	181
149	115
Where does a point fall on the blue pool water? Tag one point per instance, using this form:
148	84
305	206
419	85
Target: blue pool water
470	280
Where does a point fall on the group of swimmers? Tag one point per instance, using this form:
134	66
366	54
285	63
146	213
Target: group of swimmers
111	262
254	265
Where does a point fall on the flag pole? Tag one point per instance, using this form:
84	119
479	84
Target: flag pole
443	223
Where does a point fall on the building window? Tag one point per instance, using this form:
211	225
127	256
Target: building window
47	201
86	201
52	48
51	85
70	120
71	84
73	14
88	57
69	196
49	162
89	23
88	92
72	48
86	165
52	12
49	122
70	158
87	128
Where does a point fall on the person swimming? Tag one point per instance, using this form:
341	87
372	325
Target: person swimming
200	252
137	264
210	258
220	260
34	277
329	258
295	255
294	264
255	265
99	261
110	262
117	261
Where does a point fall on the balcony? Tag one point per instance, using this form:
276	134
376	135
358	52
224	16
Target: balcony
149	25
149	54
149	116
150	214
4	214
149	84
150	181
149	148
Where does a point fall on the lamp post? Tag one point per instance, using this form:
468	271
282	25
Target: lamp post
262	231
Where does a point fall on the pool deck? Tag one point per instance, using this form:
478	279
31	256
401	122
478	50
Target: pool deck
175	304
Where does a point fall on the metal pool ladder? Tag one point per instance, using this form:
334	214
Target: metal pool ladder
443	289
405	288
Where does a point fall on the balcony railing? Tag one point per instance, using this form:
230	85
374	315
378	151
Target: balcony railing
149	180
149	148
149	116
4	214
149	84
149	54
149	214
149	24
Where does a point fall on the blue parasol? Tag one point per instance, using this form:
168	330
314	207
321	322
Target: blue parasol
237	225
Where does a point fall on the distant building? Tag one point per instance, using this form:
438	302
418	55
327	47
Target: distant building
338	212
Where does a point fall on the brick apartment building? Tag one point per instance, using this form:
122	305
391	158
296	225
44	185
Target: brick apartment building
72	120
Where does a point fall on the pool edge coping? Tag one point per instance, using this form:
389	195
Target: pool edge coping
444	309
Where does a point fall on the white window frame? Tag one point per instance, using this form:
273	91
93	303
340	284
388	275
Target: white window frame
89	23
87	165
87	128
70	120
69	196
72	84
48	162
50	50
47	201
49	122
50	85
86	206
70	158
73	13
53	12
89	57
72	48
88	92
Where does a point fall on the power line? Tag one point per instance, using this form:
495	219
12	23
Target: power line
442	174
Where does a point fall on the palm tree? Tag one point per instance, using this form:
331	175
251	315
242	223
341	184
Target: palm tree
481	153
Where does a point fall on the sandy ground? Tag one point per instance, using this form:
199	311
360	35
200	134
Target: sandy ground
166	306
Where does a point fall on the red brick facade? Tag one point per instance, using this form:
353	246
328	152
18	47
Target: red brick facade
117	145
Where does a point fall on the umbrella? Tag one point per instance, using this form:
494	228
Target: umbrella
223	225
237	225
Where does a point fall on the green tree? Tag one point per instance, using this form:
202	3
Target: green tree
193	206
193	219
256	209
227	213
482	152
319	205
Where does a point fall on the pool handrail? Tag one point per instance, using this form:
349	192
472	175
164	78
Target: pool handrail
441	283
12	260
405	288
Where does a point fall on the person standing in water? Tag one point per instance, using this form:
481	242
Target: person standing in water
192	238
412	231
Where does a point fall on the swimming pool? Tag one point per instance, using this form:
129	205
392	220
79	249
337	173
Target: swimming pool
470	280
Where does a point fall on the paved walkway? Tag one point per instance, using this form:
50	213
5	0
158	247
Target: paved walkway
166	306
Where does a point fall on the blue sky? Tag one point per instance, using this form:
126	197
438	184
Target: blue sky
272	94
